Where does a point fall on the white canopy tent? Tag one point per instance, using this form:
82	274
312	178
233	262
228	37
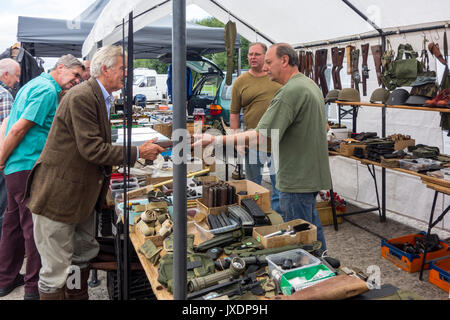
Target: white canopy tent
306	24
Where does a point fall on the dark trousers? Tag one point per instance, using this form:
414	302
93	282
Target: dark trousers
3	200
17	237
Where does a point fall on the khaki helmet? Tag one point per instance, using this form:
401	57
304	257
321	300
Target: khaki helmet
349	94
379	95
332	96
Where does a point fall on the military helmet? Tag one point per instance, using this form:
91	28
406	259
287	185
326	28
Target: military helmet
349	94
332	96
379	95
416	100
398	97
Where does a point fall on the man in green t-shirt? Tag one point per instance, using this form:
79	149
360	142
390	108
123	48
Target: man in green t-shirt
296	124
252	92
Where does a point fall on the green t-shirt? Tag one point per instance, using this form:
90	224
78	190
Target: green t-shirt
297	111
253	94
37	102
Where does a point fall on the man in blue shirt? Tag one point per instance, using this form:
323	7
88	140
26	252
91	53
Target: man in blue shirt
9	76
26	133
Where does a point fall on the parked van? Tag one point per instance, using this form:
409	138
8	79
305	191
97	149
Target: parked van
145	83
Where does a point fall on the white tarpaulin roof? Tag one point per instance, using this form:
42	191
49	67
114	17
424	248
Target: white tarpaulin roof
305	23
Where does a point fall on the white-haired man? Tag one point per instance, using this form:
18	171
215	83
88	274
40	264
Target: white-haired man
26	133
70	179
9	76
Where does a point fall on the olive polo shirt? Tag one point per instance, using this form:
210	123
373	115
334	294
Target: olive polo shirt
37	102
297	112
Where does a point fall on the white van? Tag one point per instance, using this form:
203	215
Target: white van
144	82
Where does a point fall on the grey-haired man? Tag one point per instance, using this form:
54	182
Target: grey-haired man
26	133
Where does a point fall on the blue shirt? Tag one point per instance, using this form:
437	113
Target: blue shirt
108	99
36	101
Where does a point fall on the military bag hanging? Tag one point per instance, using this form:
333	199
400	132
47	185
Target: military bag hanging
403	70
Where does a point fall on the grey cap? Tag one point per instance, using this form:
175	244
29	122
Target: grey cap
349	94
379	95
421	80
398	97
332	96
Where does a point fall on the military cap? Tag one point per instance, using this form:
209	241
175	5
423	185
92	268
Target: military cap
332	96
421	80
398	97
379	95
349	94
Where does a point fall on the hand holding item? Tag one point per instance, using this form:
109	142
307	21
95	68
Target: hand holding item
203	139
149	150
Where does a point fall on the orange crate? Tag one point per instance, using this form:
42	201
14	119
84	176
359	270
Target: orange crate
406	261
439	274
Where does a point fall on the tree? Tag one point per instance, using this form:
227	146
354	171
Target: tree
219	58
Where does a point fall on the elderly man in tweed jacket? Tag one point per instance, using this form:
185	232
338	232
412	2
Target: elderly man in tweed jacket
70	179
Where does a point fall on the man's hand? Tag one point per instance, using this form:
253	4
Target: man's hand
149	150
202	139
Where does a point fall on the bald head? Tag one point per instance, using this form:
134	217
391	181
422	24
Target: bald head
9	72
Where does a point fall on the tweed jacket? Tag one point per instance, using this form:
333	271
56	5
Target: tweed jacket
71	177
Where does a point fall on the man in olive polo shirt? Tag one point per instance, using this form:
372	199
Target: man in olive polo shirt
252	92
26	133
296	122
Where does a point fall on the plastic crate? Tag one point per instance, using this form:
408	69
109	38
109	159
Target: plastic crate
297	256
407	261
439	274
140	288
310	274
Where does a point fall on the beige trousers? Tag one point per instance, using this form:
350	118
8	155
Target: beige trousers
62	246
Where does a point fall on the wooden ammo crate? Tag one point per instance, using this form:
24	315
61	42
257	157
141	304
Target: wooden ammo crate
254	191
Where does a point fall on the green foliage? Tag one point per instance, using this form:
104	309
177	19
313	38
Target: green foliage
219	58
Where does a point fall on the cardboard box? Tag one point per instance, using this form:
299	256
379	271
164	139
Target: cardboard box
305	237
157	240
326	213
164	128
254	191
402	144
211	210
347	149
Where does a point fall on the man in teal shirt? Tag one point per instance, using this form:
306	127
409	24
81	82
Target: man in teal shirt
26	133
295	122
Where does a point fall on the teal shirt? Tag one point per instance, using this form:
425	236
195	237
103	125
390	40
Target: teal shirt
37	102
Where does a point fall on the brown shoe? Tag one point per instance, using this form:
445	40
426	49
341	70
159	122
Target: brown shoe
57	295
433	102
82	293
434	49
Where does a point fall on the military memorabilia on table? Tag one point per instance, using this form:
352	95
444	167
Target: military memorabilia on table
376	53
255	211
320	67
332	96
379	95
337	55
424	151
356	77
218	194
150	251
364	136
237	267
397	97
349	95
335	288
403	70
378	147
247	244
365	69
401	141
420	164
198	265
221	240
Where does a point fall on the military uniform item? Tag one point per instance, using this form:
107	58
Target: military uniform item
379	95
398	97
416	100
332	96
349	94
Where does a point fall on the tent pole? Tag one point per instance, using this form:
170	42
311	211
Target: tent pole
127	169
362	15
179	137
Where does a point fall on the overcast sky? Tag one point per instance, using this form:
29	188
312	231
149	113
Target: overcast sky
57	9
